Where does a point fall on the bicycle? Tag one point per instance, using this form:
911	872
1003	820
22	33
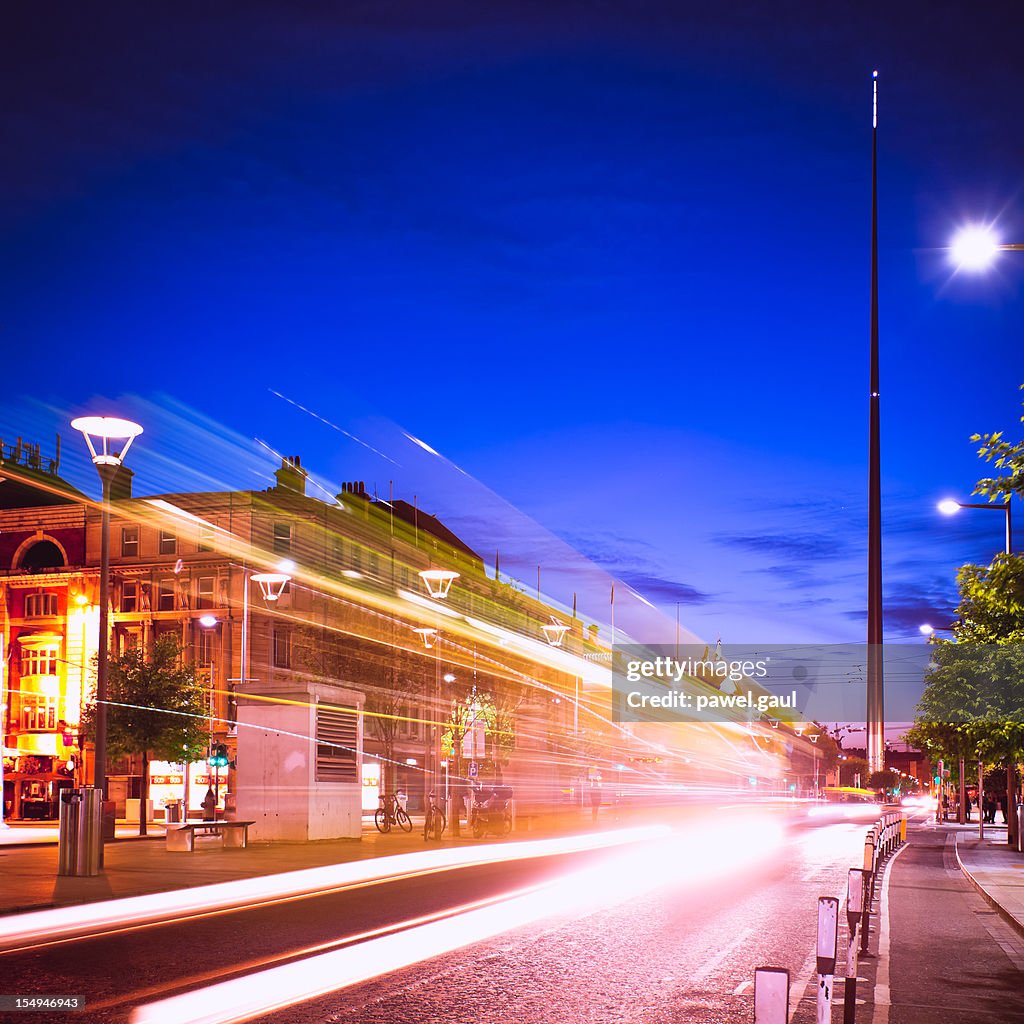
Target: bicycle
391	812
434	822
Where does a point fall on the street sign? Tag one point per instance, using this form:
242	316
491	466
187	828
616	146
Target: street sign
473	769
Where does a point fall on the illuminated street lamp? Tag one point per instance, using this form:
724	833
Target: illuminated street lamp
109	439
950	507
271	586
438	581
554	632
974	248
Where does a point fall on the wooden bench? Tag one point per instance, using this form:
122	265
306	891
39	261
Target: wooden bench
233	834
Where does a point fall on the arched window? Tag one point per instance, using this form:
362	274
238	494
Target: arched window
42	555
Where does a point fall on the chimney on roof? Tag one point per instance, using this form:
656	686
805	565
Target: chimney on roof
291	476
121	485
354	489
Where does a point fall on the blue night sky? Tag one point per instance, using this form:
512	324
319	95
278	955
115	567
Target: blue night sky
609	259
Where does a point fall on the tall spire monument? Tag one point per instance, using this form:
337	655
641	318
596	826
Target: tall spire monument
875	702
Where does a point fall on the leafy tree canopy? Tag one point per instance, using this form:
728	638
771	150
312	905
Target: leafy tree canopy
973	701
157	706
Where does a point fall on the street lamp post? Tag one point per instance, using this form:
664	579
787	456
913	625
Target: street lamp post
438	583
975	248
950	507
99	432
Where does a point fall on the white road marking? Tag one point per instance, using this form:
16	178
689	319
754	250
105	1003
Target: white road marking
699	976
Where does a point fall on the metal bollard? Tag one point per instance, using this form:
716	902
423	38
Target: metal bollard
854	915
869	888
771	995
827	944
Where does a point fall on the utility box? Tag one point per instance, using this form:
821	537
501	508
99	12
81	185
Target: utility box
299	763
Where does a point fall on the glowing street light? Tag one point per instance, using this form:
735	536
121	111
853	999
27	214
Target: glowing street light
438	581
974	248
271	584
427	634
108	439
950	506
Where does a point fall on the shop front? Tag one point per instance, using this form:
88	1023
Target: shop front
32	787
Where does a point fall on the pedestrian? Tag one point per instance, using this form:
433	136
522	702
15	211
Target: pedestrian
595	798
209	805
1002	807
967	806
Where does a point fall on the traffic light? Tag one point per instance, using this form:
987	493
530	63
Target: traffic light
218	757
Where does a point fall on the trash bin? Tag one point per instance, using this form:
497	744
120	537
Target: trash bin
80	844
172	812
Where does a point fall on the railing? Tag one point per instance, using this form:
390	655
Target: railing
771	984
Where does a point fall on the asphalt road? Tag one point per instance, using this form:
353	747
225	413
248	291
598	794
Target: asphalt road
669	930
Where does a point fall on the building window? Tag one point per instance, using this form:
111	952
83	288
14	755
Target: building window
204	648
204	592
38	712
165	597
168	543
282	647
129	596
357	558
374	565
206	535
282	538
39	661
336	738
40	604
129	542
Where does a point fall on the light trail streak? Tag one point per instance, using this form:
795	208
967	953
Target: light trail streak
622	877
320	947
47	926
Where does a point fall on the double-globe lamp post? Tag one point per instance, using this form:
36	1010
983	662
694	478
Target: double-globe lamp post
974	249
109	439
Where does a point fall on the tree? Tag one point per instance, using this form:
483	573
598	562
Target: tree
1005	456
885	782
972	706
850	768
156	708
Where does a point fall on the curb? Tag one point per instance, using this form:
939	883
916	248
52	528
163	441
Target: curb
986	895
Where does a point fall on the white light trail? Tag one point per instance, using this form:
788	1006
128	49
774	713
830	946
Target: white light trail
622	877
43	926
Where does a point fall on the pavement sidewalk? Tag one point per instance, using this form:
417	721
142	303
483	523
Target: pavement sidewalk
993	868
28	859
